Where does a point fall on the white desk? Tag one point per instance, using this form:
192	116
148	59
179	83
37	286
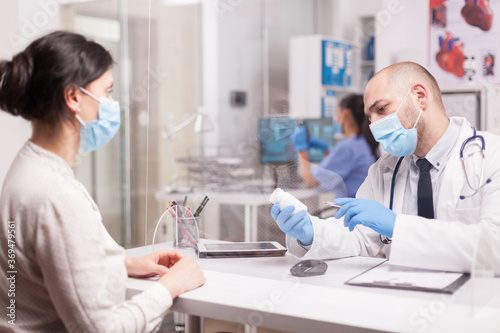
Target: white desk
250	200
261	292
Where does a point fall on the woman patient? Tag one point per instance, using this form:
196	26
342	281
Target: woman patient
71	275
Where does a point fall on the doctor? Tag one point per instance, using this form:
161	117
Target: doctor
441	206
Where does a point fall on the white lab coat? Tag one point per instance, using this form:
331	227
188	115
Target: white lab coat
448	242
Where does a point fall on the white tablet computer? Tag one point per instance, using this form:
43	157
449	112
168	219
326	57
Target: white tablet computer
241	249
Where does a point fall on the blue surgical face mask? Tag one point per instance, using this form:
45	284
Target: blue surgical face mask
337	128
96	133
394	138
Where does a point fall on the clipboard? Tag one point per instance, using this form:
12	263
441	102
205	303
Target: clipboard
385	275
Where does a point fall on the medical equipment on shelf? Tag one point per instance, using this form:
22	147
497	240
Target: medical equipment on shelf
202	123
217	167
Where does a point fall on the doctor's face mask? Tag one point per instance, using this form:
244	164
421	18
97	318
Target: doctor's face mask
96	133
394	138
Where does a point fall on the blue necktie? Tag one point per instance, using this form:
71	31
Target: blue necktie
424	193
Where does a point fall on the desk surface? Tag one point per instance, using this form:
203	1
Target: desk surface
261	292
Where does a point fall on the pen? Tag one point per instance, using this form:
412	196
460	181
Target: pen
200	208
179	208
392	283
333	204
184	203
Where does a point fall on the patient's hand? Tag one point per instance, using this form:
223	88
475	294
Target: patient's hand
178	273
156	263
183	276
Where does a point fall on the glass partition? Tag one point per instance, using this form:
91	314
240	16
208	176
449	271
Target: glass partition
157	76
193	79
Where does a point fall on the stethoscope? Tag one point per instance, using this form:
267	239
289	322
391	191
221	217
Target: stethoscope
464	164
472	139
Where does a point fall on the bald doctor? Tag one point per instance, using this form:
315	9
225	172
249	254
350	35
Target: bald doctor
420	201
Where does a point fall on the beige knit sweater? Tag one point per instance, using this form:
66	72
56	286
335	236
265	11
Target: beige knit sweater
70	274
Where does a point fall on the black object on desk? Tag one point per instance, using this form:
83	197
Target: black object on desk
309	267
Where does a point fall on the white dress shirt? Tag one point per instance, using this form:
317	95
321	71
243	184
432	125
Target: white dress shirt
438	156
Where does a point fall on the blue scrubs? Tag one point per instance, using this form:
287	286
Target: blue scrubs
345	168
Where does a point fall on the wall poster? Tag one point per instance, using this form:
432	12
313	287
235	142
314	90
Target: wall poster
464	41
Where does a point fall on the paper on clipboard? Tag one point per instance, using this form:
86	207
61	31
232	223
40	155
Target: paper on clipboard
392	276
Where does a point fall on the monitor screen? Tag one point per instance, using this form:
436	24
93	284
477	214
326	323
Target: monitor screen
276	142
275	138
321	129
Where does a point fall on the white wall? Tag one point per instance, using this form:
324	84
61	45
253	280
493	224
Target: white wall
14	131
240	68
401	28
402	33
252	45
20	22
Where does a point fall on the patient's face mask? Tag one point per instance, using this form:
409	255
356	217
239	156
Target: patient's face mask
396	140
337	127
96	133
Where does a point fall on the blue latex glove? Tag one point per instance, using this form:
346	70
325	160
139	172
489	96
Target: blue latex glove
300	139
319	144
369	213
299	226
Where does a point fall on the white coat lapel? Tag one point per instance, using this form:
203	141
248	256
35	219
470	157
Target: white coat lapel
453	180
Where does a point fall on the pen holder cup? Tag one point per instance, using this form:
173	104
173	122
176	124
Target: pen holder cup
186	235
184	230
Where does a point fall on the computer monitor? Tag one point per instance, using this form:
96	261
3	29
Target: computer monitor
322	129
275	138
276	142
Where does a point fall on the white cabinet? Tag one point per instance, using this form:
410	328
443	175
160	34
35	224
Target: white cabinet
367	48
321	71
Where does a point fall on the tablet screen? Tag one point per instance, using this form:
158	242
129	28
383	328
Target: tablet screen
241	250
240	246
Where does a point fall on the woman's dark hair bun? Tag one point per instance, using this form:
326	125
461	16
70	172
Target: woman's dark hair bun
15	76
33	84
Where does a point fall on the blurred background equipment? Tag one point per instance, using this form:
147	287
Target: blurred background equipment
202	124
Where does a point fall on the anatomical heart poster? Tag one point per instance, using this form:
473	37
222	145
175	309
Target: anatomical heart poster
465	41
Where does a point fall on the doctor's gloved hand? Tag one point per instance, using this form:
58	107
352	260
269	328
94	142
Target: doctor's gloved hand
299	225
369	213
300	139
319	144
